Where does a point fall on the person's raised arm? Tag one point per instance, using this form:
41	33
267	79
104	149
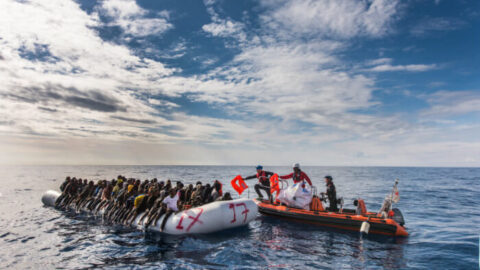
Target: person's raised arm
307	178
288	176
250	177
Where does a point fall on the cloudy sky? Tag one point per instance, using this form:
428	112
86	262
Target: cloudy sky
328	82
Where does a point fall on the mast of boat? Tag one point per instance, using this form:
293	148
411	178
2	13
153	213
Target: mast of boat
394	193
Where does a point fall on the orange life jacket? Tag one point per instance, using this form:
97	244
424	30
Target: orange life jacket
238	184
262	178
362	207
274	184
316	204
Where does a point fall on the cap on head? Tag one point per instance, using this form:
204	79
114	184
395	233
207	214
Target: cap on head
328	177
259	167
296	165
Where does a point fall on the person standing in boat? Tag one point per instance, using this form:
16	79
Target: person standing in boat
297	175
263	181
331	194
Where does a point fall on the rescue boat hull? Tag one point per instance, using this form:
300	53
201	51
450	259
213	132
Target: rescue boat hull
208	218
345	221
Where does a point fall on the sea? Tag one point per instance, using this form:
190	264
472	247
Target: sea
440	207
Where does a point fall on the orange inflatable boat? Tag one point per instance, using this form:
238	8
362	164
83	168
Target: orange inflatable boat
347	219
389	221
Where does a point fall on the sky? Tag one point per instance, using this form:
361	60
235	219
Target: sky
217	82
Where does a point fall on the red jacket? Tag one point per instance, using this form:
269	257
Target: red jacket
299	177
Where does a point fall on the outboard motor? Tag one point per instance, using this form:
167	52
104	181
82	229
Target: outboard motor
398	217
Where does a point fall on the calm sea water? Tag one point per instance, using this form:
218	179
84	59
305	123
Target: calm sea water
440	205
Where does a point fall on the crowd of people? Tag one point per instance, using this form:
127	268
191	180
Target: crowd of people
123	200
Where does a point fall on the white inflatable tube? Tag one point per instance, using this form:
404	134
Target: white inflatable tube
207	218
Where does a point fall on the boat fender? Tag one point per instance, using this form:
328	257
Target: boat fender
365	226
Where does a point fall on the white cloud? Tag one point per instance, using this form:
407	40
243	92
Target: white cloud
226	28
165	103
223	28
380	61
341	18
88	95
440	24
131	18
452	103
81	86
410	68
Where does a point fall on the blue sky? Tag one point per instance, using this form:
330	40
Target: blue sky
337	82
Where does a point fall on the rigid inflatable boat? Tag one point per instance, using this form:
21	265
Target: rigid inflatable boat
347	220
207	218
387	222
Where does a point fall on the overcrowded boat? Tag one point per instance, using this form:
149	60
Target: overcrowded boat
155	206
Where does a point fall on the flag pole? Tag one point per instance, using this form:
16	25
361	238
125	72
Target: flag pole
391	195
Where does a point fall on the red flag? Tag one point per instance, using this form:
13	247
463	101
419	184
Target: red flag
396	195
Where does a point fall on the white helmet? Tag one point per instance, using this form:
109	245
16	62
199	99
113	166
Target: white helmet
296	165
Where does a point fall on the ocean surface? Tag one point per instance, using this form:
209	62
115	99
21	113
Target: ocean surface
440	206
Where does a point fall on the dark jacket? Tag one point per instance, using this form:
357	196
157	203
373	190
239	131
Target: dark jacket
263	177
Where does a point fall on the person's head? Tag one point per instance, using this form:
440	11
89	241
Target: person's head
67	179
190	187
198	183
328	179
179	185
259	168
296	167
91	183
85	181
227	196
172	192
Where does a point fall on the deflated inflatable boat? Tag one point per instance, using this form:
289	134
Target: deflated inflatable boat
208	218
